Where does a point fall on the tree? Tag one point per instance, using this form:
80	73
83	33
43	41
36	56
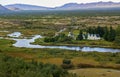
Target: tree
106	33
117	38
100	31
90	30
80	36
111	35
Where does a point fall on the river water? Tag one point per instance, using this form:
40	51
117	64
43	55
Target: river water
27	44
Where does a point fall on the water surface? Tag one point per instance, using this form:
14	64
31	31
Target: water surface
14	34
27	44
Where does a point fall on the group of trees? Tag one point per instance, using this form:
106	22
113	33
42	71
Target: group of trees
97	30
60	38
91	30
107	33
14	67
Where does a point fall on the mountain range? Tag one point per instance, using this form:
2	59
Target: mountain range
68	6
25	7
95	5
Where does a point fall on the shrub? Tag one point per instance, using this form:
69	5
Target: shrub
49	39
60	38
67	66
66	61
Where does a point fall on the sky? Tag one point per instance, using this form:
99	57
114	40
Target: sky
50	3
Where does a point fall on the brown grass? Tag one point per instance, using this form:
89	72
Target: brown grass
96	72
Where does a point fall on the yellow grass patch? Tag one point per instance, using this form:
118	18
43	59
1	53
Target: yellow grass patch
96	72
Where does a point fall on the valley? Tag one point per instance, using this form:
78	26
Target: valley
59	36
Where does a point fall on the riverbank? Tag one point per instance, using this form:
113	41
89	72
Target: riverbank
83	43
56	56
27	44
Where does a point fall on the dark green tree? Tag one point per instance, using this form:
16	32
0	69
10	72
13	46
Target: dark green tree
80	36
117	38
100	31
106	33
90	30
111	35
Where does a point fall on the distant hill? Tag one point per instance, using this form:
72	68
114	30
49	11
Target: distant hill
69	6
25	7
73	6
2	8
14	9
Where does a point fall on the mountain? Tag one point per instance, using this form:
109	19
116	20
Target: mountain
14	9
25	7
68	6
2	8
74	6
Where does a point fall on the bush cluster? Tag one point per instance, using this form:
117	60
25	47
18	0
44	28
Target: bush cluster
14	67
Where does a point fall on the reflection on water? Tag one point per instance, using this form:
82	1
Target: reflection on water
26	43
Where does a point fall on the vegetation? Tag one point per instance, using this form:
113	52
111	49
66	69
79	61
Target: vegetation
80	36
41	62
106	33
110	34
14	67
60	38
61	57
96	72
117	39
97	30
67	64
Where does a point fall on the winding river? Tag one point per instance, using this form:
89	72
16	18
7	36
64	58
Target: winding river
27	44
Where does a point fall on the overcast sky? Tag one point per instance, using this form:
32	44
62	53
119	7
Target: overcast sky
50	3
